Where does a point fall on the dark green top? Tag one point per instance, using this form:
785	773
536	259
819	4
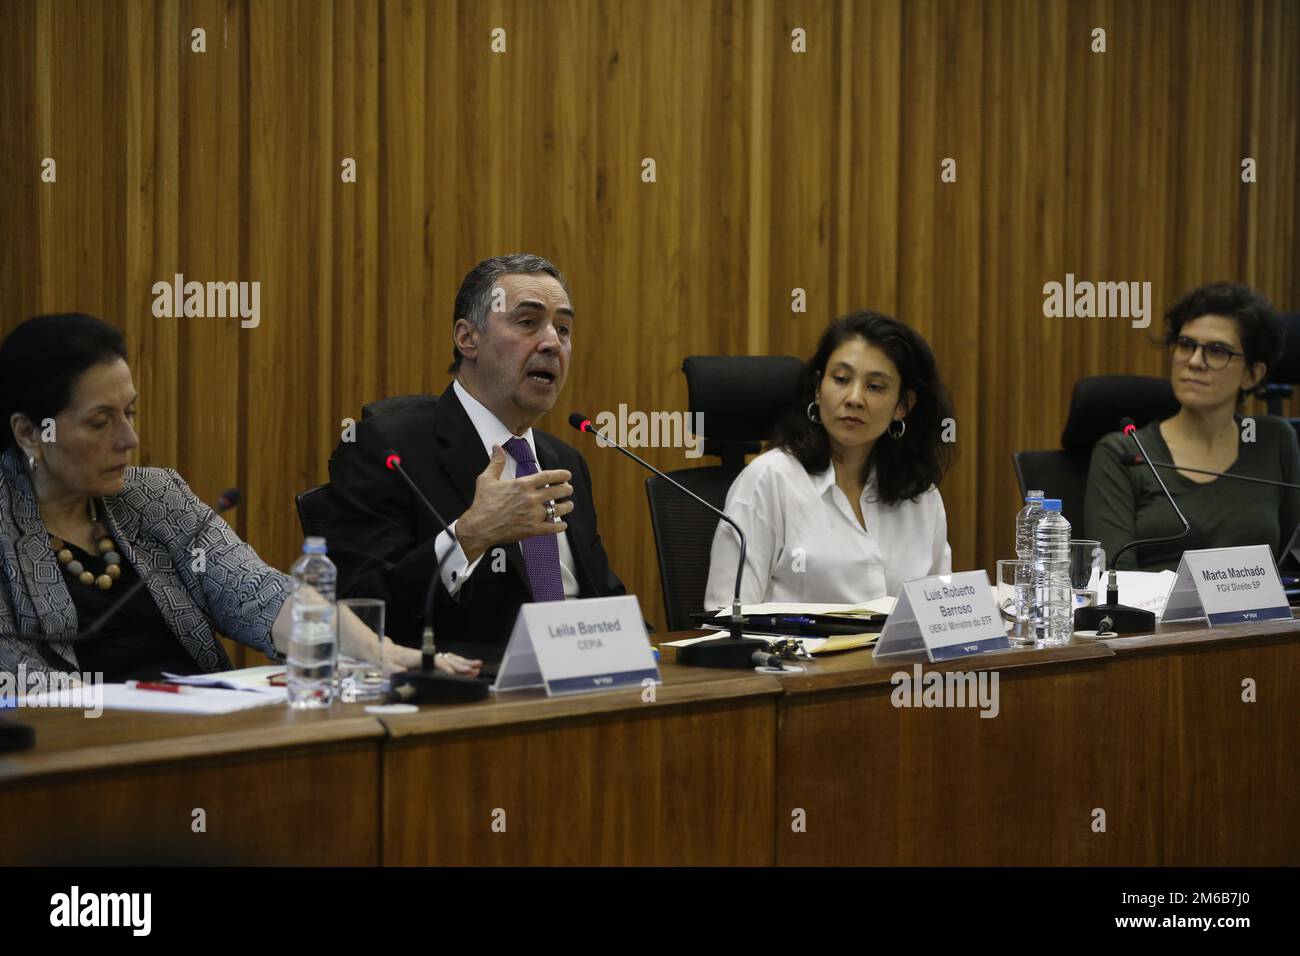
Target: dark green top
1124	502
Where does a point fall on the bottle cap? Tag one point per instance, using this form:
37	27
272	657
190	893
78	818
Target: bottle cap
1051	504
313	545
1034	496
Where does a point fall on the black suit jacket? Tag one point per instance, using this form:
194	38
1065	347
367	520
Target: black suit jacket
382	538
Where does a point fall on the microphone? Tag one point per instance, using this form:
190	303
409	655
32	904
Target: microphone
1134	460
227	500
735	650
429	685
1113	616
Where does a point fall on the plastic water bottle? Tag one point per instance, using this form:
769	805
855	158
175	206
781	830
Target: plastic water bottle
313	645
1025	522
1055	623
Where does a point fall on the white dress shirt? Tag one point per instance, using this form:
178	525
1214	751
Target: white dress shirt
805	545
491	432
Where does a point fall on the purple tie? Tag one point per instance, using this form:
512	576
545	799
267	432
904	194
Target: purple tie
542	552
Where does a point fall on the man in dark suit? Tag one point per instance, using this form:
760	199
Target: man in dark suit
519	500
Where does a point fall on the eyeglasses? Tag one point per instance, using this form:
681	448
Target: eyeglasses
1217	355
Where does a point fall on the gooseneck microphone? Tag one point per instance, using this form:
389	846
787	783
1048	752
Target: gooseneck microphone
429	685
1113	616
736	650
1133	461
228	499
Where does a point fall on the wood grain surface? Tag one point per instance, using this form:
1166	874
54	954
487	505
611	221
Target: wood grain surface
775	171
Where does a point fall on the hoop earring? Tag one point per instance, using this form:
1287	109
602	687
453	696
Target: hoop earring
901	431
814	413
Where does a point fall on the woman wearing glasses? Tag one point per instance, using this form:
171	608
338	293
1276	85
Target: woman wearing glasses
1222	340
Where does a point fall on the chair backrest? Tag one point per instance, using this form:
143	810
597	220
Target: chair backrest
739	399
683	530
1100	401
315	504
314	507
1096	407
1060	474
383	406
1276	388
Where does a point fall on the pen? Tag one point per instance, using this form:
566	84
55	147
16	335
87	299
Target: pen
155	685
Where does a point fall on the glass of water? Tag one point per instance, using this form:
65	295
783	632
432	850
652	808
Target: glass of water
1016	600
362	678
1087	565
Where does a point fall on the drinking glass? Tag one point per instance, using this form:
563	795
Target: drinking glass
363	678
1087	564
1016	600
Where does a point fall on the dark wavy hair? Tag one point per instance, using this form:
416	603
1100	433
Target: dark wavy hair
1263	333
41	360
906	467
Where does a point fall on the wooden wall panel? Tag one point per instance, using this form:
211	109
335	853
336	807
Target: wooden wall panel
775	170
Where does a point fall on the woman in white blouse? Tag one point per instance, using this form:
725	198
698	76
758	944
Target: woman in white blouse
843	506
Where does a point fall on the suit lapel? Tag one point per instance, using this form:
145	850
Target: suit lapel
459	449
43	594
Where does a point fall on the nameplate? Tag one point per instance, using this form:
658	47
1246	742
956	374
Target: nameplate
948	616
574	647
1227	586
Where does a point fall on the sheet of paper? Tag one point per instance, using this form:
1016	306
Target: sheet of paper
198	701
880	605
814	645
247	678
840	642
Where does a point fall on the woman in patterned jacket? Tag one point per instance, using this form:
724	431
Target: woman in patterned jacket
79	525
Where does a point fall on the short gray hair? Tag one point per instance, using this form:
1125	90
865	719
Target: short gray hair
475	296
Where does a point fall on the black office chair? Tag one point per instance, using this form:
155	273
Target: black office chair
384	406
740	397
315	504
1285	374
314	507
1096	407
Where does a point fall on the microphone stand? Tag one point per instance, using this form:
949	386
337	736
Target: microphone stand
1113	616
735	650
429	685
1170	466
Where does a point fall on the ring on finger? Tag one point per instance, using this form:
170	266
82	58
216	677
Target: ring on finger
550	511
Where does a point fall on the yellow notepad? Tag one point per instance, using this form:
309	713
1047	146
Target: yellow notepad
840	642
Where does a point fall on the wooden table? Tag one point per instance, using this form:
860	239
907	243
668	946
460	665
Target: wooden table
1206	778
609	778
275	786
1150	731
720	767
680	776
